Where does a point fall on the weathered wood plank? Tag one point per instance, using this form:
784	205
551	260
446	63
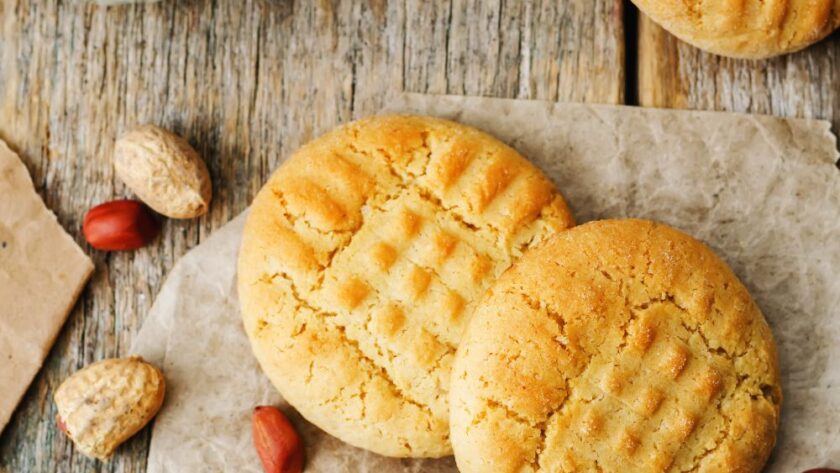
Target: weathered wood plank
673	74
246	82
565	51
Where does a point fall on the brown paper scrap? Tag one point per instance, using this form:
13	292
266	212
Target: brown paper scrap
42	272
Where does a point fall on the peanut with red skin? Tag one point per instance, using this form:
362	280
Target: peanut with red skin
61	425
120	225
278	444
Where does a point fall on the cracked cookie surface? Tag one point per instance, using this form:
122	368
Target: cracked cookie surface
746	28
361	260
619	345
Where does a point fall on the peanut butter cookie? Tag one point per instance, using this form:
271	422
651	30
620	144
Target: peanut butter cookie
746	28
361	260
617	345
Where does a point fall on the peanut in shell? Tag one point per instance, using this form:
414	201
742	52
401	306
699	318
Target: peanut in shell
104	404
164	171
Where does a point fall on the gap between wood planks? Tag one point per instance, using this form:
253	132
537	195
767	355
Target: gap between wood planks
631	53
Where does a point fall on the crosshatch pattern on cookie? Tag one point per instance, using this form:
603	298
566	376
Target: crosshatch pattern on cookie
419	273
383	233
656	384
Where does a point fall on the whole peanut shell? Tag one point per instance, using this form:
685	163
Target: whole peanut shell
164	171
101	406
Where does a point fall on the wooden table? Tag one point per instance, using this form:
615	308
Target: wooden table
247	81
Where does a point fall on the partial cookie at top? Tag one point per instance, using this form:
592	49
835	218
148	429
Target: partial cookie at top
746	29
617	345
361	260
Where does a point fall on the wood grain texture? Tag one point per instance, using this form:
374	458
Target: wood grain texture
246	82
673	74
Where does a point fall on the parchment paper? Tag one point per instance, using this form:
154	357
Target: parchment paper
763	191
42	271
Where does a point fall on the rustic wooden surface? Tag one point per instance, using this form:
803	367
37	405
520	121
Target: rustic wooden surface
672	74
246	81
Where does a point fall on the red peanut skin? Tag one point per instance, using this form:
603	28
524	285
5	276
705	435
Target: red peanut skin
278	444
61	425
120	225
822	470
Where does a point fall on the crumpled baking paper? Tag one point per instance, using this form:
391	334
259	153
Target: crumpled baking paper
764	192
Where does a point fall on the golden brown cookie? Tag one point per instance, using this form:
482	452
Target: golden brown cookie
746	28
618	345
363	256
